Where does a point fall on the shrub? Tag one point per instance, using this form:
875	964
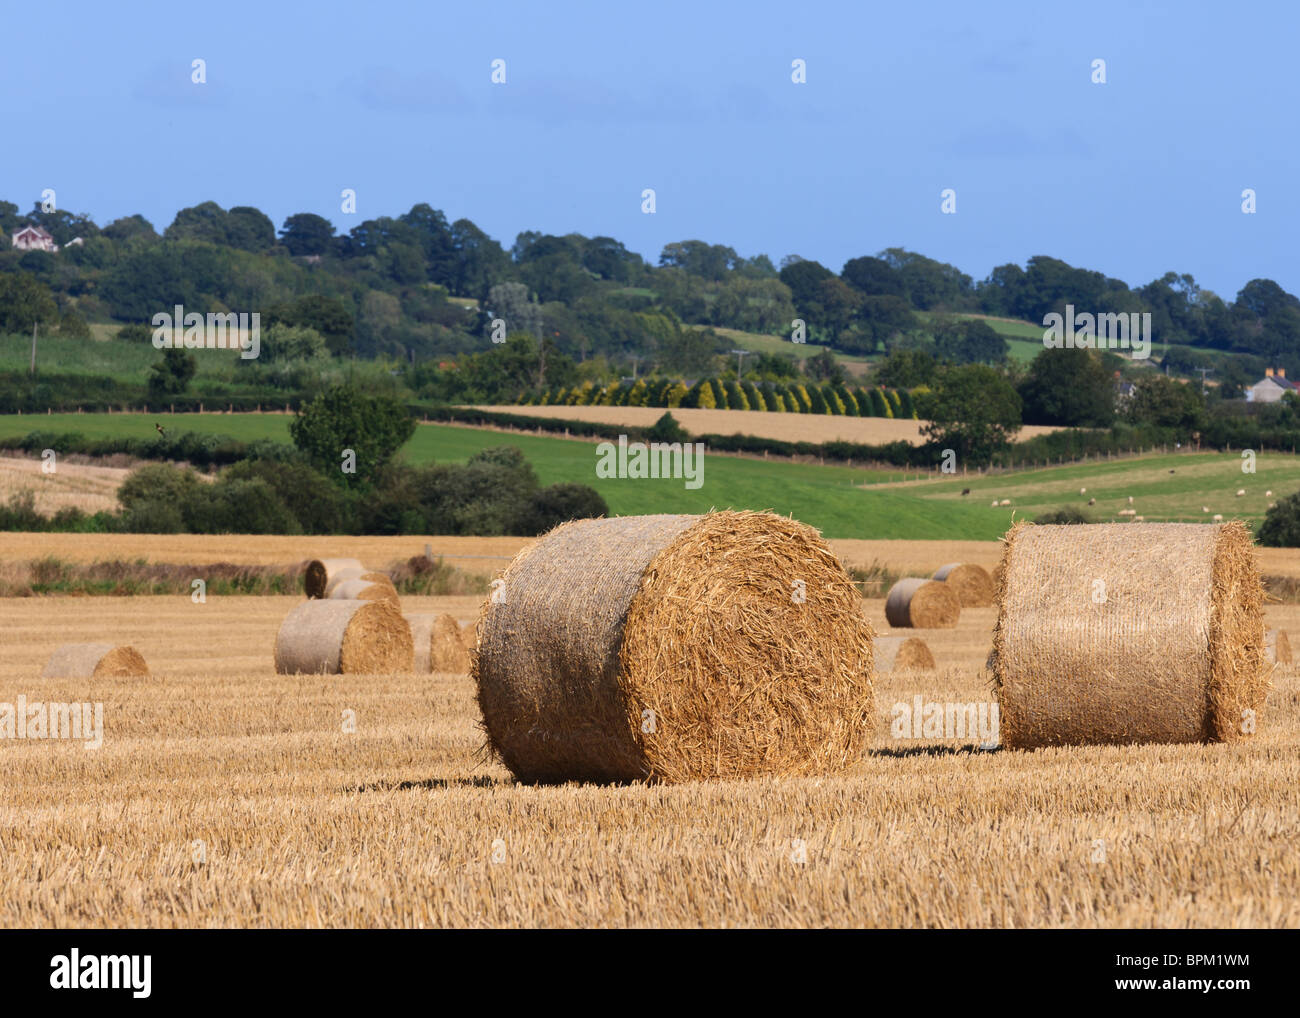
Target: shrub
1281	526
1065	514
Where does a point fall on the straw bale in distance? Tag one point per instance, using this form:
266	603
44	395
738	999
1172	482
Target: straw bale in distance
675	648
971	583
338	637
440	644
343	575
1277	648
87	660
1128	633
321	570
364	590
916	603
902	654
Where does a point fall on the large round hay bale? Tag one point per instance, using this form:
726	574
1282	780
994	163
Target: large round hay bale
321	570
916	603
1277	648
370	575
902	654
440	644
94	660
364	590
337	637
971	583
675	648
1128	633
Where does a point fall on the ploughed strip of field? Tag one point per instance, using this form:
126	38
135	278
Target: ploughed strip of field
226	795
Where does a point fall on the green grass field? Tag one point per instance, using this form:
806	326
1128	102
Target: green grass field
842	502
117	359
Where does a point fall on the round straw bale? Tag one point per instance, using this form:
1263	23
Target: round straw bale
87	660
902	653
440	644
675	648
971	583
1277	648
915	603
336	637
364	590
321	570
1128	633
370	575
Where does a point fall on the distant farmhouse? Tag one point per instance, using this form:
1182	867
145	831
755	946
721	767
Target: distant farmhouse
33	238
1271	388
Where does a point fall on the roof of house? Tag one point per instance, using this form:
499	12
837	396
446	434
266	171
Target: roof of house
1279	381
39	231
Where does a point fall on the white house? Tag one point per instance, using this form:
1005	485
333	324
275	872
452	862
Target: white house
1271	388
33	238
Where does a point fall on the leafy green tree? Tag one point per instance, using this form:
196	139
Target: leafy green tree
970	341
283	343
906	369
1069	388
975	412
823	367
172	374
1281	526
1165	403
327	315
305	233
341	420
249	229
24	302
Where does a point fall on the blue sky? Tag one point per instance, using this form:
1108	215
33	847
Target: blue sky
1135	177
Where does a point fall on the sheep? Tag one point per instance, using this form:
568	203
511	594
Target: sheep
1218	517
1130	500
1240	492
1269	493
1006	501
1083	491
1205	508
1092	501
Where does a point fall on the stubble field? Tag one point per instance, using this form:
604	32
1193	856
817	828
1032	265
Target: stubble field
225	795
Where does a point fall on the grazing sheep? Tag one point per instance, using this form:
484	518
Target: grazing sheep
1171	471
1006	501
1092	501
1240	492
1130	500
1083	491
1268	494
1128	512
965	491
1218	517
995	503
1205	508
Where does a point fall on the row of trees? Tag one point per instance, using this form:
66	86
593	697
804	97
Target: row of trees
402	286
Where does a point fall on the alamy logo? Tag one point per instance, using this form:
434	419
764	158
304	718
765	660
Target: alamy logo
933	720
192	331
1104	331
77	722
75	971
658	459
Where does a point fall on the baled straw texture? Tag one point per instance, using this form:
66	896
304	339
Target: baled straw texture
364	590
1277	648
321	570
87	660
440	644
971	583
344	638
902	654
915	603
675	648
1128	633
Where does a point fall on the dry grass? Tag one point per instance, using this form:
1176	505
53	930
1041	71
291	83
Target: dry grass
72	485
399	823
786	427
